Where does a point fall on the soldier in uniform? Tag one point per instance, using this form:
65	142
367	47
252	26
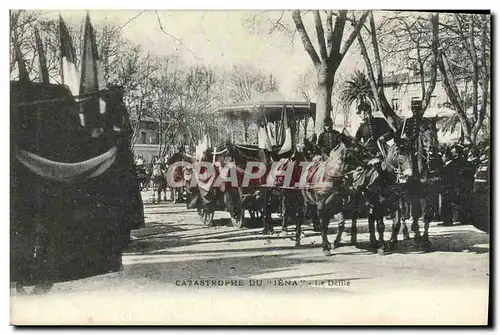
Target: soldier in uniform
417	129
329	138
373	132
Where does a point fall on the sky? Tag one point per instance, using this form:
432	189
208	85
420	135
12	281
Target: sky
217	38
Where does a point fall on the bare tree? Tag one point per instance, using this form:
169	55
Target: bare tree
245	83
21	35
413	38
473	59
331	53
139	93
332	46
196	96
306	85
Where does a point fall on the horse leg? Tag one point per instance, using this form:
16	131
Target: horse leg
268	227
396	224
159	194
405	215
354	229
285	202
429	211
355	204
316	221
371	229
325	221
415	213
380	230
341	228
298	225
406	233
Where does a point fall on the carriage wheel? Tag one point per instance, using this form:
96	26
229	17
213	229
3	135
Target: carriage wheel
238	220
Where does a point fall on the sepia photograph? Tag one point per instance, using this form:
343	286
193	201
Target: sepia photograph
250	167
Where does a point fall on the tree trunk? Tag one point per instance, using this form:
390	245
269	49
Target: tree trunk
323	96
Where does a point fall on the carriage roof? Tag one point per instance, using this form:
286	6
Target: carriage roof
269	111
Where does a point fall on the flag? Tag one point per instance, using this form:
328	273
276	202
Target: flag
23	73
42	60
263	136
69	71
288	142
92	78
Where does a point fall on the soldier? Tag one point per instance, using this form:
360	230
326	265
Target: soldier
420	131
329	138
374	132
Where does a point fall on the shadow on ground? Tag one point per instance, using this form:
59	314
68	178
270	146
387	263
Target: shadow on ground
446	241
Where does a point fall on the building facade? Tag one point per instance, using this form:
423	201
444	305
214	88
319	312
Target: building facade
147	140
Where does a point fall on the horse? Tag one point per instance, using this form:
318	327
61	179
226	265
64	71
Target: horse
402	185
328	194
74	195
426	181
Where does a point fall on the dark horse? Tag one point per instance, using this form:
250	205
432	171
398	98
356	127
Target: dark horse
325	188
74	196
402	185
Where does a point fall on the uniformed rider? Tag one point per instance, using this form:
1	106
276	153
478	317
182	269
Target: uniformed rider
374	132
329	138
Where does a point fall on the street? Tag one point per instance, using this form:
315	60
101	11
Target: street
178	271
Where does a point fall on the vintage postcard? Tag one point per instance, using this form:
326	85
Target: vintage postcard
272	167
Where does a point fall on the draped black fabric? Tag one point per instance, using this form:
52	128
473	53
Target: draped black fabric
67	230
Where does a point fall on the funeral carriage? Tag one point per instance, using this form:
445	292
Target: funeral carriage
278	127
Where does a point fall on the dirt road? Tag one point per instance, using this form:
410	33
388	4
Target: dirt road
179	272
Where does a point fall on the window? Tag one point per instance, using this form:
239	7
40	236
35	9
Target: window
143	137
157	140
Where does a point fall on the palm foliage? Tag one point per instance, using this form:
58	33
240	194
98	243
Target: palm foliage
357	88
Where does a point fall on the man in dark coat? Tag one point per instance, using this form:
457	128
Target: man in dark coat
374	132
329	138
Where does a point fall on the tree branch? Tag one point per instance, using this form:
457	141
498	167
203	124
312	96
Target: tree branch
485	79
369	67
378	62
474	67
452	92
320	34
306	41
338	32
329	33
174	37
435	45
353	35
